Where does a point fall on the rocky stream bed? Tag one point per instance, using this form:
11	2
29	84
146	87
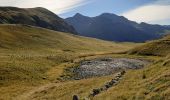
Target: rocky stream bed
106	66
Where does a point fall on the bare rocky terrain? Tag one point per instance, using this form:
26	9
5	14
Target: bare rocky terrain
107	66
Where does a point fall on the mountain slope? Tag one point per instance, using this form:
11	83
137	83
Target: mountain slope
14	36
115	28
30	43
159	47
34	16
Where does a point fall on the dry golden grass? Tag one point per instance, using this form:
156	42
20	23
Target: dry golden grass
31	56
158	47
135	87
33	59
65	90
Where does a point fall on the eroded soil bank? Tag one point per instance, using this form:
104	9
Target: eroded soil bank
106	66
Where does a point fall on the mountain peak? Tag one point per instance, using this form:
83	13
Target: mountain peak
78	15
39	8
112	15
108	14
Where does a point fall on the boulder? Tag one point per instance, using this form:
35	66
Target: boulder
75	97
96	91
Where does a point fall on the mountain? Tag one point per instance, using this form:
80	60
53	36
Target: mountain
40	17
167	26
115	28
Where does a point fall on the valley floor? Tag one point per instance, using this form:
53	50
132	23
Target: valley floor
35	64
151	82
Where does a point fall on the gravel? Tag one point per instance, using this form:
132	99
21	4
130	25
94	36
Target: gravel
107	66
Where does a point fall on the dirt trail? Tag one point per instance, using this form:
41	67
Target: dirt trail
27	95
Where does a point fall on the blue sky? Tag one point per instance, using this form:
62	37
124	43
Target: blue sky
150	11
96	7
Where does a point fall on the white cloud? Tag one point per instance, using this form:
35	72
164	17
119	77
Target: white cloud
150	13
57	6
162	2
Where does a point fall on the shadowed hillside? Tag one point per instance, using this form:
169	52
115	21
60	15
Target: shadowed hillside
112	27
34	16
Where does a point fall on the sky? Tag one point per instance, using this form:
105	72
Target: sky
150	11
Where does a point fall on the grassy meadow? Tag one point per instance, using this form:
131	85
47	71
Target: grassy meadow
32	56
33	62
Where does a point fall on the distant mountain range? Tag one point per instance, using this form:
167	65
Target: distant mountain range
111	27
106	26
34	16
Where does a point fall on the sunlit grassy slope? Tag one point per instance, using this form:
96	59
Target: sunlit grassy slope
32	56
28	37
150	83
32	61
159	47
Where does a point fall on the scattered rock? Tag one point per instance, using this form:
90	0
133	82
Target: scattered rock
77	78
123	72
75	97
44	78
96	91
108	85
